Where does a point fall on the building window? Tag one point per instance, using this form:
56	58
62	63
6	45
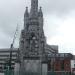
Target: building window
74	65
49	65
62	65
74	61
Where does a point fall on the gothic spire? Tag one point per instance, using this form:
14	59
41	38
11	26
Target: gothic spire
26	13
40	14
26	17
34	8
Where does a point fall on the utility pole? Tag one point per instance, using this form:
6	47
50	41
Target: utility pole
8	70
11	48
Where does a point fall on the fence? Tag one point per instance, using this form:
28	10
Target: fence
59	73
8	72
35	73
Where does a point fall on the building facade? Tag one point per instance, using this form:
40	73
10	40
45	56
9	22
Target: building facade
73	65
61	62
4	57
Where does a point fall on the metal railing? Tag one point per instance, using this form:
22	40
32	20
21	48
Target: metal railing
58	73
8	72
37	73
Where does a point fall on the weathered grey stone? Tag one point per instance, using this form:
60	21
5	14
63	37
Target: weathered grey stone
33	42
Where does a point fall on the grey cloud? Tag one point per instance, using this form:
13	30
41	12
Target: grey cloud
12	11
57	6
4	40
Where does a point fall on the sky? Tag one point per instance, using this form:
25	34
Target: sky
59	22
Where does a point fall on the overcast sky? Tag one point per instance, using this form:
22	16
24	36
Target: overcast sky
59	22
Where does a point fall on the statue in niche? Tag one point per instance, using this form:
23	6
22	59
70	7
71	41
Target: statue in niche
33	43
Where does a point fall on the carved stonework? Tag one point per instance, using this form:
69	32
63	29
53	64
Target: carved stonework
32	41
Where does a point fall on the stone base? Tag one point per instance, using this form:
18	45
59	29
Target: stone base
32	65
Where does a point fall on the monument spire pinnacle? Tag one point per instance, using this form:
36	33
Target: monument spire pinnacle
34	8
26	12
40	14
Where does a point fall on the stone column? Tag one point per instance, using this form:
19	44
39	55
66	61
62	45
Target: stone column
16	70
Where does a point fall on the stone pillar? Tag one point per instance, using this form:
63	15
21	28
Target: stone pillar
44	68
16	70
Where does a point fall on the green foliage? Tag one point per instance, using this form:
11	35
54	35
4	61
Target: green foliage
9	72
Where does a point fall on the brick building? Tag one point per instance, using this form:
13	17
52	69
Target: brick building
60	62
73	65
